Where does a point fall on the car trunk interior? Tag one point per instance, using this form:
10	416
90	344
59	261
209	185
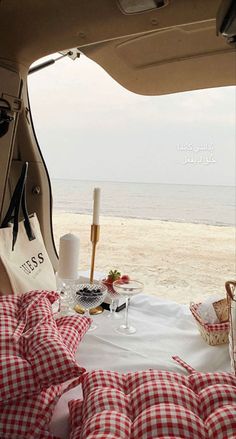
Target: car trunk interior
171	48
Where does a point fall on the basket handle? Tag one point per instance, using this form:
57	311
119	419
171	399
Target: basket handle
195	314
230	287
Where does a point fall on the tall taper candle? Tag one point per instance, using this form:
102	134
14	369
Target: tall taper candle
96	205
68	257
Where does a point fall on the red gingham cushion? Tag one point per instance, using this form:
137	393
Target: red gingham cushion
222	423
134	379
33	354
29	416
170	419
146	395
213	397
72	330
100	378
107	422
199	381
155	404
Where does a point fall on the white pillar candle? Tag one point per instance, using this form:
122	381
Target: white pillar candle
96	205
68	257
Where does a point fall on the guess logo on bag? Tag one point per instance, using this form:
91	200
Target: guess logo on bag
31	264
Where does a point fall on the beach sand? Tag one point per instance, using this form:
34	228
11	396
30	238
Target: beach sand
179	261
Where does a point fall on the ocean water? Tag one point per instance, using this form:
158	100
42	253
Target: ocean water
181	203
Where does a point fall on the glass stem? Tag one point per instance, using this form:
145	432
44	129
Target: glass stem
86	313
126	312
112	307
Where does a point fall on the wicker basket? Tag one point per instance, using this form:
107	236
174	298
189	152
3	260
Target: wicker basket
213	334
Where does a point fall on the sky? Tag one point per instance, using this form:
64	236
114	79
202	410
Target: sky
90	128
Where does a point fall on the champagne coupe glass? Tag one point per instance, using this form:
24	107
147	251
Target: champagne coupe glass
127	289
90	296
114	296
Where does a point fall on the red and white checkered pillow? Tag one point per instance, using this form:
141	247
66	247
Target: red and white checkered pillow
199	381
154	404
28	416
72	330
33	353
221	424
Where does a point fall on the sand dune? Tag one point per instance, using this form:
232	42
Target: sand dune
180	261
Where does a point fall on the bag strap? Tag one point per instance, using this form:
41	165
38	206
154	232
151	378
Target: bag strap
28	228
16	197
19	200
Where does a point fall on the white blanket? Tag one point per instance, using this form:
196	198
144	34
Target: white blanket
164	329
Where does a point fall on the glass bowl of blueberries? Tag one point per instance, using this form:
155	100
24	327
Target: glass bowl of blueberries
88	296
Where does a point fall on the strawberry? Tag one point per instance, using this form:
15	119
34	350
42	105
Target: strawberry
113	275
108	281
125	278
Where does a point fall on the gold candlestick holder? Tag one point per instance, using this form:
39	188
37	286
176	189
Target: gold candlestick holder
94	238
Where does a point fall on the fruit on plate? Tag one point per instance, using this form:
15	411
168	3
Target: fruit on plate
111	277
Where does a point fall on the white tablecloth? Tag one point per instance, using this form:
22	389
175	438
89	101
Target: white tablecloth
164	329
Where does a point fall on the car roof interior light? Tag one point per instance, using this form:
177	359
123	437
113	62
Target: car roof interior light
138	6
